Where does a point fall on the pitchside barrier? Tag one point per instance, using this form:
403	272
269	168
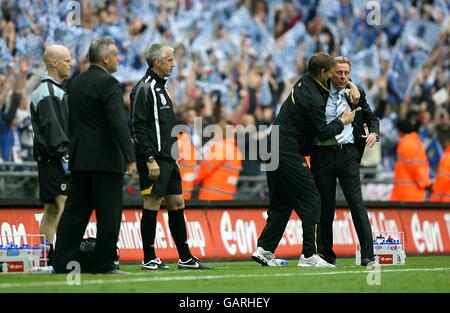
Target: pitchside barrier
229	230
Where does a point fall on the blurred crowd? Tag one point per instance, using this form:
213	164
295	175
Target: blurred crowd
237	60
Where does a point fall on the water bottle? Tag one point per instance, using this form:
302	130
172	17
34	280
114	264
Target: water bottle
384	246
46	246
12	249
25	250
37	251
43	270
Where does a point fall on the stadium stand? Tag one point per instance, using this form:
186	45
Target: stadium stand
235	59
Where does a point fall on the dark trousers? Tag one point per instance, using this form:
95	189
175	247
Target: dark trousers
101	191
291	186
327	164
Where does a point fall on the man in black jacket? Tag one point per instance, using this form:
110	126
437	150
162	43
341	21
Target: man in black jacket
153	119
49	118
339	157
291	185
101	150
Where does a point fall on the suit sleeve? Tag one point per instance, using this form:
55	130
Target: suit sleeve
143	121
314	102
370	118
52	136
112	97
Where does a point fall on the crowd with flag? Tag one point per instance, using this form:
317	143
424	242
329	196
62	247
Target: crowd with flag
237	59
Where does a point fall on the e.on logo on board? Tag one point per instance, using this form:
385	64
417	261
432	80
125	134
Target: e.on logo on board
238	235
426	235
13	233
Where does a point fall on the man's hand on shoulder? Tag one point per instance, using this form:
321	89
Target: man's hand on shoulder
353	93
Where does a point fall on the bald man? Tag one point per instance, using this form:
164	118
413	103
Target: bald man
49	115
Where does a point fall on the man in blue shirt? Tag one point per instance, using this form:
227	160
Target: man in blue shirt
339	157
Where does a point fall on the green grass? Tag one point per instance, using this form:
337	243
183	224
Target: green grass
420	274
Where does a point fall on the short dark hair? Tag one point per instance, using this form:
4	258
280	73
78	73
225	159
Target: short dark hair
98	47
405	126
320	61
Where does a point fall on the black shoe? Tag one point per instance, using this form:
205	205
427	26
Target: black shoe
193	264
367	261
116	272
155	264
329	260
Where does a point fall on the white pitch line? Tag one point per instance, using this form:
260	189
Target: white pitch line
206	277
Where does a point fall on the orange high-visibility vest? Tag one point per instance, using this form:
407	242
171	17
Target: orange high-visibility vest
308	160
441	187
219	171
187	164
412	171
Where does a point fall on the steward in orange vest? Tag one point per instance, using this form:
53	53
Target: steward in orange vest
219	170
441	187
187	163
412	170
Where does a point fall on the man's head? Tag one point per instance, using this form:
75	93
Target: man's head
160	59
104	52
320	66
405	126
340	74
58	61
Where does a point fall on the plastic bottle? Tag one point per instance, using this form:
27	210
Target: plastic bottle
385	246
43	270
46	246
12	250
45	249
25	250
37	251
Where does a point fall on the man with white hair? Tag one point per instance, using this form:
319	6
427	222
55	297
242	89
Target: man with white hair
153	119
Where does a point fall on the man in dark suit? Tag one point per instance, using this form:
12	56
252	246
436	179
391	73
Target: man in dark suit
100	151
339	157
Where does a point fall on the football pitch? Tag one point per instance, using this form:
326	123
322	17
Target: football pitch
420	274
